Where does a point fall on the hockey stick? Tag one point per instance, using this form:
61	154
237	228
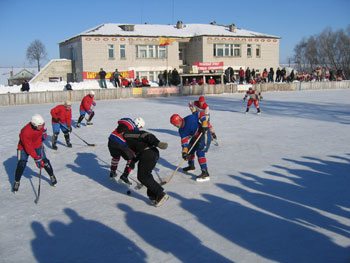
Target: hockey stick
38	196
88	144
177	168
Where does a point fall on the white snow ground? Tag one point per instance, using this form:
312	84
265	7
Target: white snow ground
279	188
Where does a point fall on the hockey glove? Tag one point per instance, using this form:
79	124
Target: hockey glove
132	163
39	163
44	136
185	156
203	129
162	145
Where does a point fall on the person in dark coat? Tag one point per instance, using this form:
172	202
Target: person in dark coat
102	75
25	86
175	77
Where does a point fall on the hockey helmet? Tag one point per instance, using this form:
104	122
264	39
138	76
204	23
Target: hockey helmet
201	99
140	123
92	93
37	120
175	119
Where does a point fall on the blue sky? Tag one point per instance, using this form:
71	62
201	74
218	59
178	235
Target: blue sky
51	21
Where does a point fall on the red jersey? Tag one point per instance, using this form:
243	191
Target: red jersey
211	81
60	112
86	103
30	139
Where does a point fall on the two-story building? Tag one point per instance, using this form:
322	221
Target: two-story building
136	48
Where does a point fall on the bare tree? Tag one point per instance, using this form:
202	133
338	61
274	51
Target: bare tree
36	52
328	49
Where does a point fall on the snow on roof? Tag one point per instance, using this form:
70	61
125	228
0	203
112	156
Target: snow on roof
187	30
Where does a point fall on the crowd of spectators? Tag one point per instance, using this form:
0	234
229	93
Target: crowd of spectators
253	77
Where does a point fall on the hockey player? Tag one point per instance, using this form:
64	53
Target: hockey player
144	144
253	97
30	143
86	108
62	120
190	128
116	147
202	107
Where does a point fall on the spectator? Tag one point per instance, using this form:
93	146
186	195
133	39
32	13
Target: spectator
241	75
283	75
175	77
125	83
137	82
278	75
68	86
187	82
247	75
145	82
201	81
271	75
264	75
211	81
170	81
102	75
161	79
25	86
116	76
253	74
194	81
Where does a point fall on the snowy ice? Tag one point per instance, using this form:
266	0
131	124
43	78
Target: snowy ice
279	188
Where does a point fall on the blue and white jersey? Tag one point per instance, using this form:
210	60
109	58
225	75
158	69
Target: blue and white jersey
129	123
189	129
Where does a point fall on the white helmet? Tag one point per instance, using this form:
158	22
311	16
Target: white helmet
140	123
92	92
37	120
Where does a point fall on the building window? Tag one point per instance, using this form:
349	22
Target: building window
110	51
227	50
237	50
249	50
258	51
218	50
151	51
122	51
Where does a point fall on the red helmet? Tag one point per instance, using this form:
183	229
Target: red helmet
175	119
201	99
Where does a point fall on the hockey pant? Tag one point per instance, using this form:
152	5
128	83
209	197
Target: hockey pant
200	149
22	159
256	103
147	161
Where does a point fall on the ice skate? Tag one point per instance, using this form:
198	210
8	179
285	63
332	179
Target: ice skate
162	200
89	123
204	176
78	125
189	168
53	180
124	179
15	187
66	136
112	174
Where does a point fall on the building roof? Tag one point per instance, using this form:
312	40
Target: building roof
23	74
187	30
